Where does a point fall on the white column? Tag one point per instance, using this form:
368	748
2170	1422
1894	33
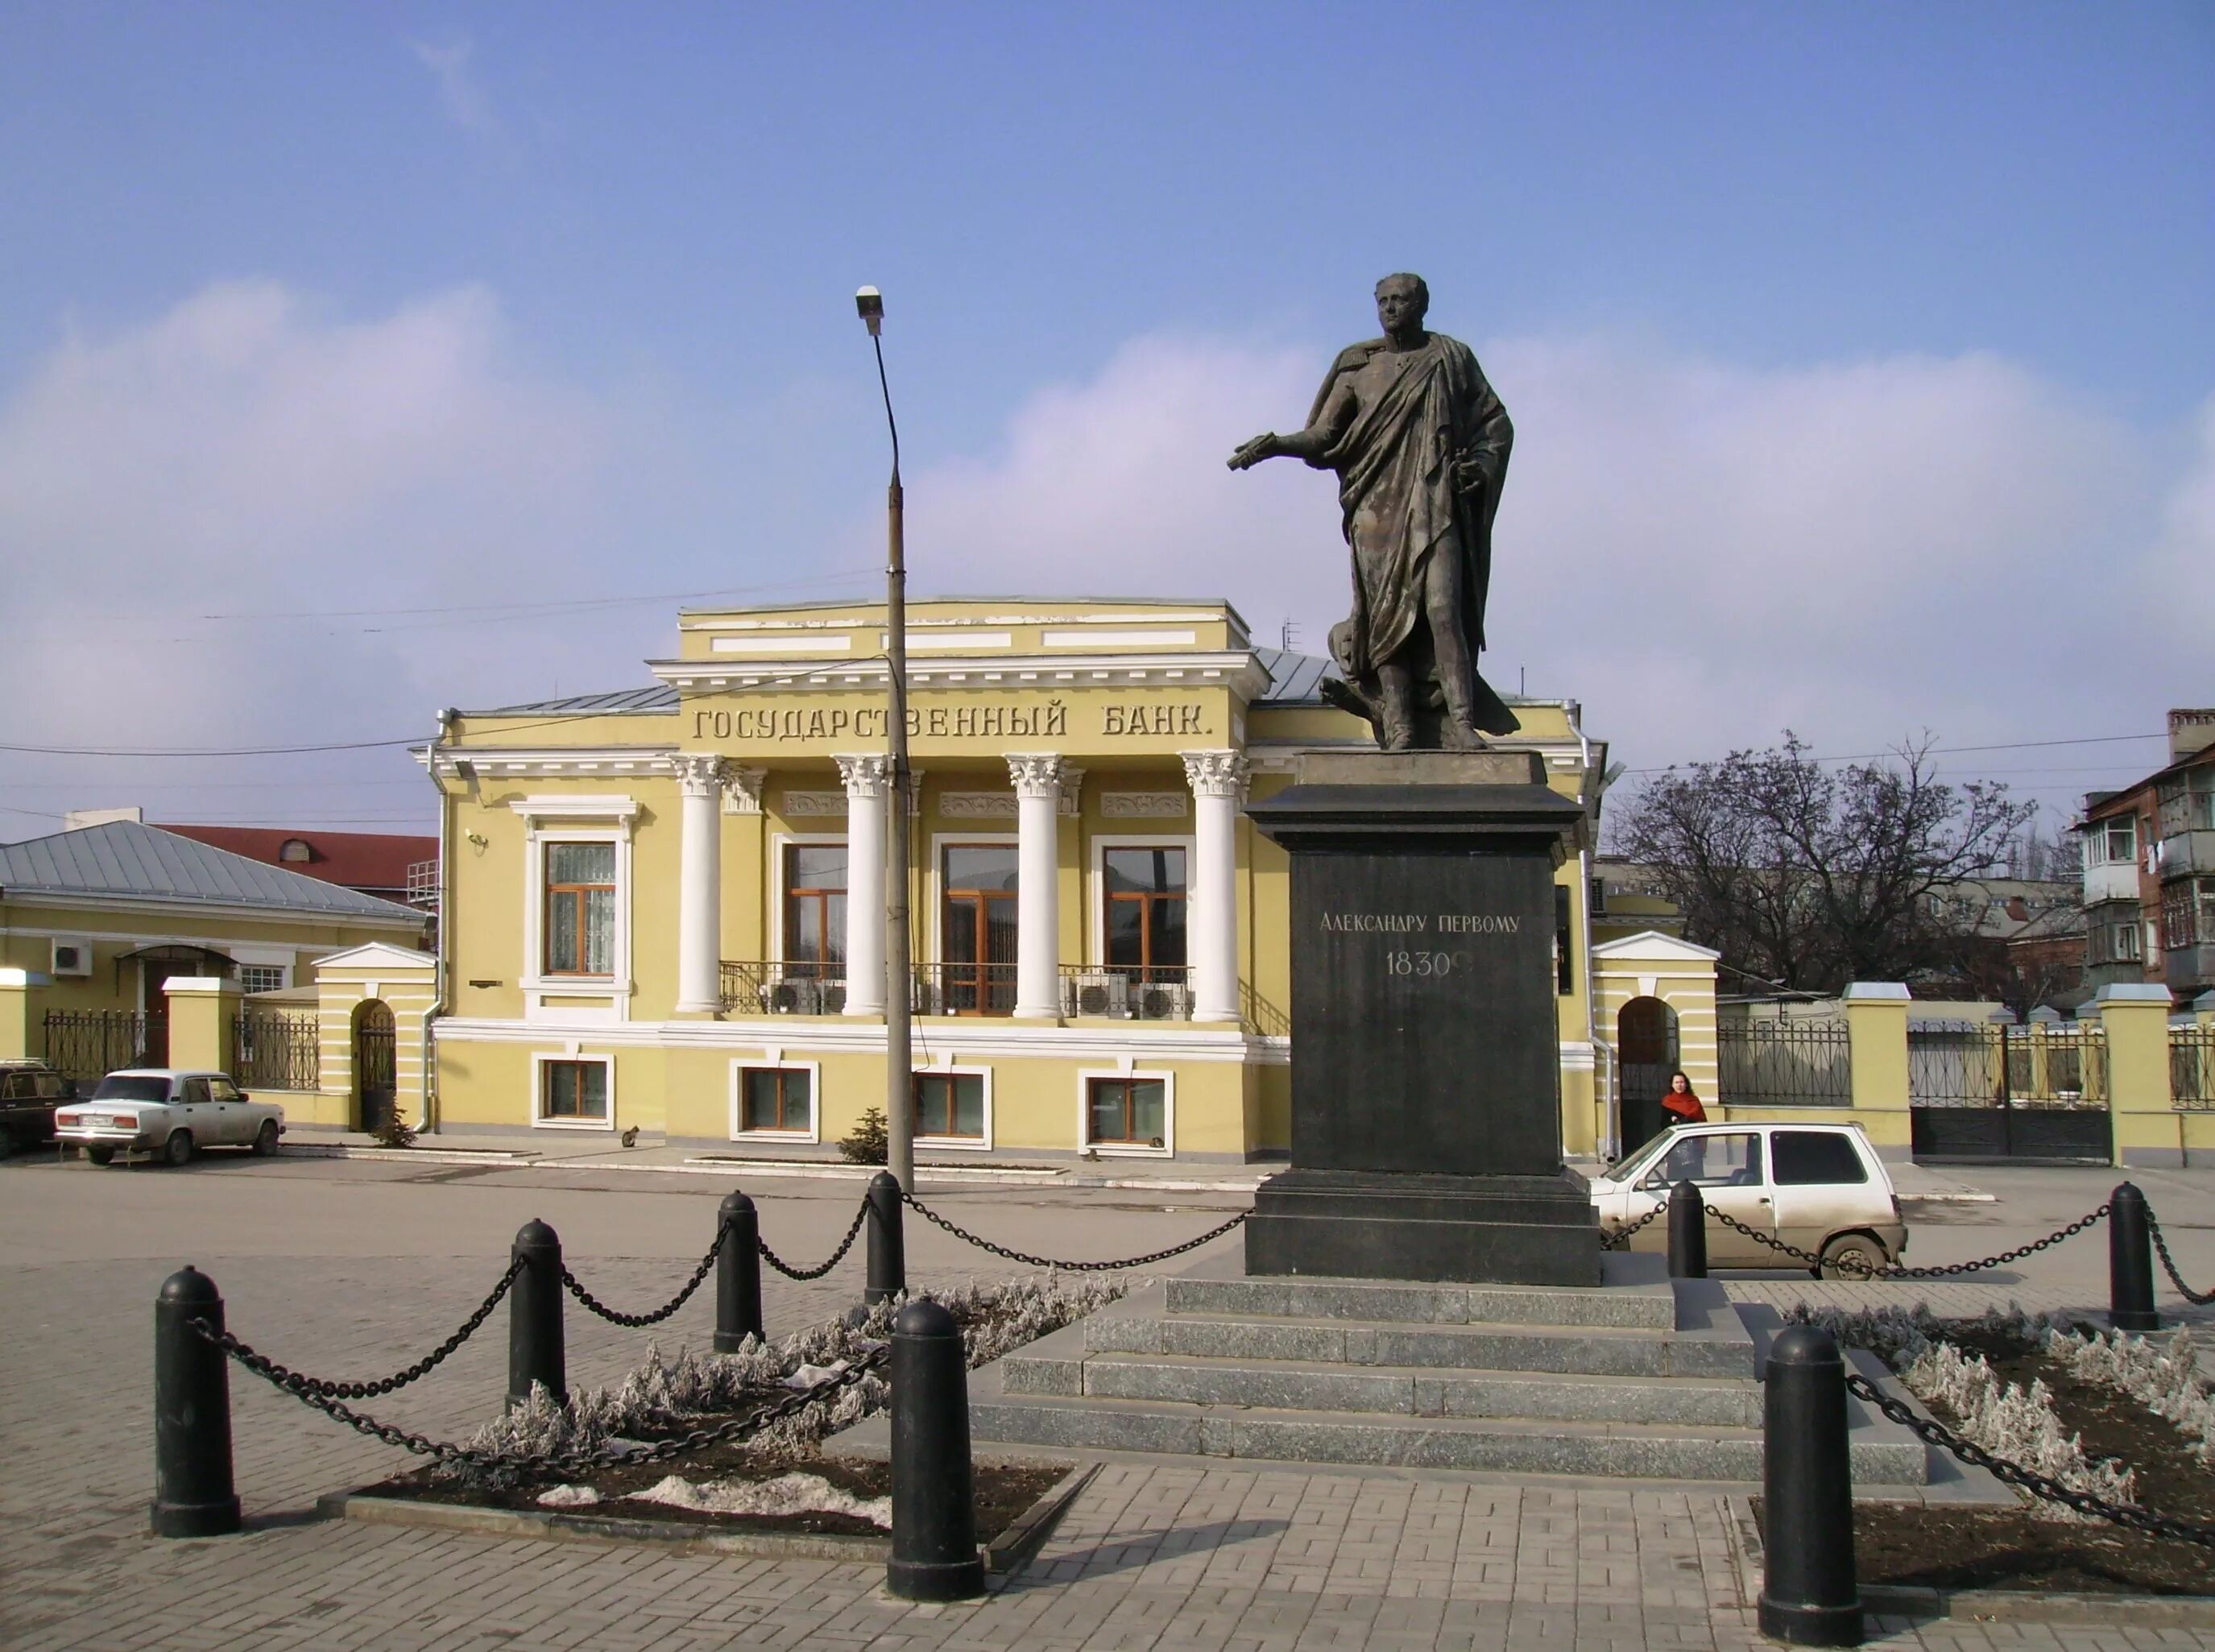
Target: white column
700	884
1219	781
865	777
1037	777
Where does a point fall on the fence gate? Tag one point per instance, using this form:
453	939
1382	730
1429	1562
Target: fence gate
372	1063
90	1044
1991	1090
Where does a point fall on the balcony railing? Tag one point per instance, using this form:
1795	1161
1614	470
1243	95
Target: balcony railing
783	989
1114	993
1126	991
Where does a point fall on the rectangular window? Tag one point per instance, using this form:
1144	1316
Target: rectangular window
1814	1158
1564	953
261	978
950	1105
574	1091
1145	889
977	928
1732	1160
775	1098
580	908
1127	1112
815	910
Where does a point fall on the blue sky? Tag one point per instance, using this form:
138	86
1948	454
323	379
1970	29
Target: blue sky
1850	347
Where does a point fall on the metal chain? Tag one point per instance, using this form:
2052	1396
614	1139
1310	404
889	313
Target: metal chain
2198	1298
844	1245
1947	1271
658	1315
558	1462
361	1390
2014	1474
931	1215
1620	1239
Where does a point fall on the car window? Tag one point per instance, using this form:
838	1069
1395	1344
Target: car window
50	1085
195	1091
222	1089
15	1086
1804	1158
1727	1159
132	1087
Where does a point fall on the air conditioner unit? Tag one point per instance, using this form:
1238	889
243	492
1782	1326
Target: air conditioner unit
830	996
800	997
72	958
1162	1001
1099	992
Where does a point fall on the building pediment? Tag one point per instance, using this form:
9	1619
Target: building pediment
1652	947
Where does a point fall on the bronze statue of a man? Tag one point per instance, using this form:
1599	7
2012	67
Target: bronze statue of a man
1420	443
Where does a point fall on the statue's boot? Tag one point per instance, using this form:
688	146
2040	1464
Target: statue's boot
1396	721
1458	730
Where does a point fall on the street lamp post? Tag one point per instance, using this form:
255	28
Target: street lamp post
899	1083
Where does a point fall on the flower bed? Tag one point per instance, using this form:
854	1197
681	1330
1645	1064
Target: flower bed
774	1479
2125	1418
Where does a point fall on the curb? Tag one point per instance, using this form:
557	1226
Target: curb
495	1157
2036	1606
1006	1553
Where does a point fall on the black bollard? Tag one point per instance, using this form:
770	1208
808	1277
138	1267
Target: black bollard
737	1274
1808	1596
2130	1263
934	1483
193	1492
888	1248
533	1316
1688	1232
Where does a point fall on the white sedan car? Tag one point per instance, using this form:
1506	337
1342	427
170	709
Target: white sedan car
170	1111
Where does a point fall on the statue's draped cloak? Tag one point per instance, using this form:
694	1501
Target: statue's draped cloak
1415	412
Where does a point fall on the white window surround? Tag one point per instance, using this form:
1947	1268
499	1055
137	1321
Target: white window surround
582	819
776	882
538	1119
1096	879
982	1144
769	1060
1122	1149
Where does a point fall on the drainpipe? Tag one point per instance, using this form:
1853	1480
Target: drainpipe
1601	1094
447	717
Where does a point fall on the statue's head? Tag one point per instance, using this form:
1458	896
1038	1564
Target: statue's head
1403	300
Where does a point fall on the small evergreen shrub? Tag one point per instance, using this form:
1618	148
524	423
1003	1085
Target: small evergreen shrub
870	1144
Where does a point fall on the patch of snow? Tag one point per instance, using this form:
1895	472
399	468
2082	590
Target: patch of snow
788	1494
808	1376
568	1497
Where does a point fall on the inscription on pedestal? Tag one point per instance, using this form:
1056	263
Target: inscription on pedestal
1422	988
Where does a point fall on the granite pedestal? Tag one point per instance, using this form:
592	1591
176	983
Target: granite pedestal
1426	1137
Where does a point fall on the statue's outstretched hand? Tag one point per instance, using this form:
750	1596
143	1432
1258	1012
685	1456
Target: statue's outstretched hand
1250	454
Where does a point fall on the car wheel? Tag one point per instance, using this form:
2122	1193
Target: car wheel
265	1138
101	1155
178	1150
1852	1256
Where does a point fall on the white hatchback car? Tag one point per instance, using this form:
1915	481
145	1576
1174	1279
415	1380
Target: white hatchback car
1819	1187
170	1111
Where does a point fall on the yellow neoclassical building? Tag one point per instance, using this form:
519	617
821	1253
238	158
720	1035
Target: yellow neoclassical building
663	906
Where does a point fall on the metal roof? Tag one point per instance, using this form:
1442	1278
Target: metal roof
658	697
1293	677
124	860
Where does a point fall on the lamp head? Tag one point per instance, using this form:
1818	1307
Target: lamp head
869	304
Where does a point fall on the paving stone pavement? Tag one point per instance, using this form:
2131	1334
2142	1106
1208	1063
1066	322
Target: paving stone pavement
1168	1557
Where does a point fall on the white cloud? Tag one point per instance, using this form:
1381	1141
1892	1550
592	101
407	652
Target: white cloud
1702	553
459	95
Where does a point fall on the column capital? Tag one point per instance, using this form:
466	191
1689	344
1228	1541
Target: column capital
742	789
1072	790
699	773
1215	774
865	774
1037	774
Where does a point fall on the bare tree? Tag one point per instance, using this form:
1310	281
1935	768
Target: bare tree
1814	876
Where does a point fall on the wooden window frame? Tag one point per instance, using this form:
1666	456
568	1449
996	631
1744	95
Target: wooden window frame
812	1071
541	1075
1145	900
979	1143
578	892
1087	1076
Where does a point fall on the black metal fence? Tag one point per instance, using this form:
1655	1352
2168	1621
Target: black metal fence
270	1050
1994	1064
1784	1064
770	988
2192	1067
93	1043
